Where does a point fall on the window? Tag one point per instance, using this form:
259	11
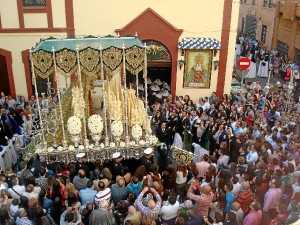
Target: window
283	48
253	2
270	4
265	3
263	33
34	3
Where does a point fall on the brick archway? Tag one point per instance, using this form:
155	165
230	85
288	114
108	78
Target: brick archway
8	57
151	26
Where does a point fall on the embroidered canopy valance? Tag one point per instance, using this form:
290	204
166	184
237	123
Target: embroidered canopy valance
90	49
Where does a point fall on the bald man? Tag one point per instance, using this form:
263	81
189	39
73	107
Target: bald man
134	216
204	200
236	209
153	208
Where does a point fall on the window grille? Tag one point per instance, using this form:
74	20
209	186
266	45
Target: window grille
34	3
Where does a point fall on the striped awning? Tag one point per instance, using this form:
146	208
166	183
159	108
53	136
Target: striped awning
199	43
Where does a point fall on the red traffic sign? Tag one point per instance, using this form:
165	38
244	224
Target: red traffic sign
243	63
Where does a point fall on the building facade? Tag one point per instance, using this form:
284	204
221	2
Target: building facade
287	29
256	19
23	23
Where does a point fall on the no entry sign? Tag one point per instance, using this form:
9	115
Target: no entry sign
243	63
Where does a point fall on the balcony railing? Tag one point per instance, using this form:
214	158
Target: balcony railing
34	3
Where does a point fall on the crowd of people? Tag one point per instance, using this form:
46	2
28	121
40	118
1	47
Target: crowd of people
263	60
251	175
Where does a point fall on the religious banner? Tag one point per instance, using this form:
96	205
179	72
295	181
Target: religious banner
197	70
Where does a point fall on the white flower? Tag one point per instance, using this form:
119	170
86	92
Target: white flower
117	128
60	148
91	146
95	124
136	131
74	125
102	145
71	148
81	147
153	140
142	142
132	143
122	144
112	144
50	149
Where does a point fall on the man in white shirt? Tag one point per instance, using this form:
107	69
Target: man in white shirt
236	185
206	104
169	211
30	192
16	190
103	194
252	156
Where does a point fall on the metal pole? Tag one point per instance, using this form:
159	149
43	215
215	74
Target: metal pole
106	140
243	75
37	101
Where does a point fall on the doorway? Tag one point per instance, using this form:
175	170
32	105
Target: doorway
158	61
4	78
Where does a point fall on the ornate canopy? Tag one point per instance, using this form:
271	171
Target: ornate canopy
91	49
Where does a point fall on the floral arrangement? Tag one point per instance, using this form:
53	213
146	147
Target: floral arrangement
142	142
71	148
112	144
60	148
50	149
74	125
81	147
117	128
136	131
91	147
102	146
95	124
153	140
122	144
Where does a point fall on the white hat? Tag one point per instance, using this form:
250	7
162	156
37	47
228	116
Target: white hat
116	155
148	151
80	155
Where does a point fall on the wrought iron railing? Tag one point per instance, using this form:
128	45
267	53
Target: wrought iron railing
34	3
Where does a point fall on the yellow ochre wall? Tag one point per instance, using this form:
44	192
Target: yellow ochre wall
197	18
